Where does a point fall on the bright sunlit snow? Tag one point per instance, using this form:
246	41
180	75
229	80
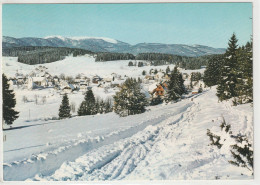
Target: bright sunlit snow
167	142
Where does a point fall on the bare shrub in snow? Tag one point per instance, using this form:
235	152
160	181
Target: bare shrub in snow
44	99
25	99
36	99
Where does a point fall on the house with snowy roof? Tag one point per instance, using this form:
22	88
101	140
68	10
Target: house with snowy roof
37	82
66	87
96	79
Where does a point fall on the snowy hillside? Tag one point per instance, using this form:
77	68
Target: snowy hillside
75	65
167	142
83	64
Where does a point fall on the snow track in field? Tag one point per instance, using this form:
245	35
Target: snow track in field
115	161
170	145
51	161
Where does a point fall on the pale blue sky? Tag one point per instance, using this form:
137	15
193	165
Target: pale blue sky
209	24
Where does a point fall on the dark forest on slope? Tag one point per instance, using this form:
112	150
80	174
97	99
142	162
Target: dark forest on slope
43	54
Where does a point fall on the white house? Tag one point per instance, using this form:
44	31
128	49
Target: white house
34	82
66	87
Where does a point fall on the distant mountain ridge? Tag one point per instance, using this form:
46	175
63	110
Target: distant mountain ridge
102	44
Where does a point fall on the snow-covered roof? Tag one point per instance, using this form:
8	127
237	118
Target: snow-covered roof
152	87
38	79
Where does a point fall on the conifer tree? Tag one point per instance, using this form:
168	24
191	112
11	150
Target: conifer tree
90	103
64	111
9	102
181	84
175	86
168	70
82	109
130	63
108	106
101	107
130	100
226	88
213	71
244	86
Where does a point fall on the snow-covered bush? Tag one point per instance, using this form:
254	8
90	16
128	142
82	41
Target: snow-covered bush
239	146
214	139
130	100
156	101
242	153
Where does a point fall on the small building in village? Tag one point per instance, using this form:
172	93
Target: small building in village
37	82
96	79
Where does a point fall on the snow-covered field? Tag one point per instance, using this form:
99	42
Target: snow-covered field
167	142
82	64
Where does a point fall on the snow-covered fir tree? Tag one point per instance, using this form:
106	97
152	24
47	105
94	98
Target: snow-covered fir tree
64	111
91	107
101	109
9	102
227	86
244	86
175	86
243	153
108	106
181	84
213	71
88	106
82	109
130	100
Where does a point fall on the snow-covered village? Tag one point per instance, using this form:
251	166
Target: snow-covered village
99	109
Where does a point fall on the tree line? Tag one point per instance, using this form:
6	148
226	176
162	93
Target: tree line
232	73
102	57
42	54
45	54
156	59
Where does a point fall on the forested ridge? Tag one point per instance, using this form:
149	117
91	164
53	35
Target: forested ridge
44	54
